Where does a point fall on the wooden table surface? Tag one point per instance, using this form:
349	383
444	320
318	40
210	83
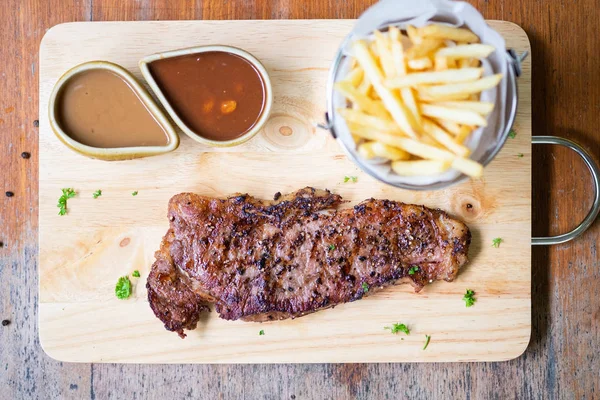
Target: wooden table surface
562	360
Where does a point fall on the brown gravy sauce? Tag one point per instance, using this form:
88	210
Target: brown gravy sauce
99	108
218	95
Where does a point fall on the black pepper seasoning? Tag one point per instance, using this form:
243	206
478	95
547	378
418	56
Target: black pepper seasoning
5	322
36	123
9	194
25	155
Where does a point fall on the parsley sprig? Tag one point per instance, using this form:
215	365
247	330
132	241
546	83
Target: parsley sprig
123	288
469	298
354	179
261	332
97	193
427	339
365	287
398	328
413	269
67	193
496	242
512	134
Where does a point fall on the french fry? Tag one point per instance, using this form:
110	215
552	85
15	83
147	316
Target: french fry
374	149
360	118
468	167
431	141
397	68
428	152
444	138
466	51
465	132
374	50
389	152
428	99
460	116
365	86
423	49
365	150
440	63
413	35
449	126
411	103
436	77
363	102
447	33
355	76
462	63
420	167
391	101
409	145
454	89
480	107
397	51
385	55
420	64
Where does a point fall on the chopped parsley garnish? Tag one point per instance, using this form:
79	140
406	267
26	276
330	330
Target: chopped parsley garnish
398	328
67	194
413	269
496	242
331	247
512	134
427	339
468	298
261	332
354	179
365	287
123	288
97	193
136	274
520	155
134	193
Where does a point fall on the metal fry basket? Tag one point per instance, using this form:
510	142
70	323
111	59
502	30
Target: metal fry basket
514	71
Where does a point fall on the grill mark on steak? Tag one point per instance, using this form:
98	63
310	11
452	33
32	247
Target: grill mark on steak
266	260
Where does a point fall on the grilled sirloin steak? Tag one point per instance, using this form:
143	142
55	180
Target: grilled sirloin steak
260	260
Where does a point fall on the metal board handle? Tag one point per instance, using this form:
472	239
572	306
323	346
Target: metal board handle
594	171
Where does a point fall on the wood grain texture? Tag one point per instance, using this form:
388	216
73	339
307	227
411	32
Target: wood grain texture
560	361
83	254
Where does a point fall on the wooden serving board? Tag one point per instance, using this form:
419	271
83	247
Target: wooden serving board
83	253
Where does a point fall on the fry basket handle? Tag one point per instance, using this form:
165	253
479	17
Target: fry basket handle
594	171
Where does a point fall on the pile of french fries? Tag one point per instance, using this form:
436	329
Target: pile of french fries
416	105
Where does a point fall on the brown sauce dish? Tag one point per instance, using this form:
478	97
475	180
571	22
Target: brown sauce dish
218	95
99	110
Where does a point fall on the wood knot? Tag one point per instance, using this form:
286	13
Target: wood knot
125	242
468	207
286	130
